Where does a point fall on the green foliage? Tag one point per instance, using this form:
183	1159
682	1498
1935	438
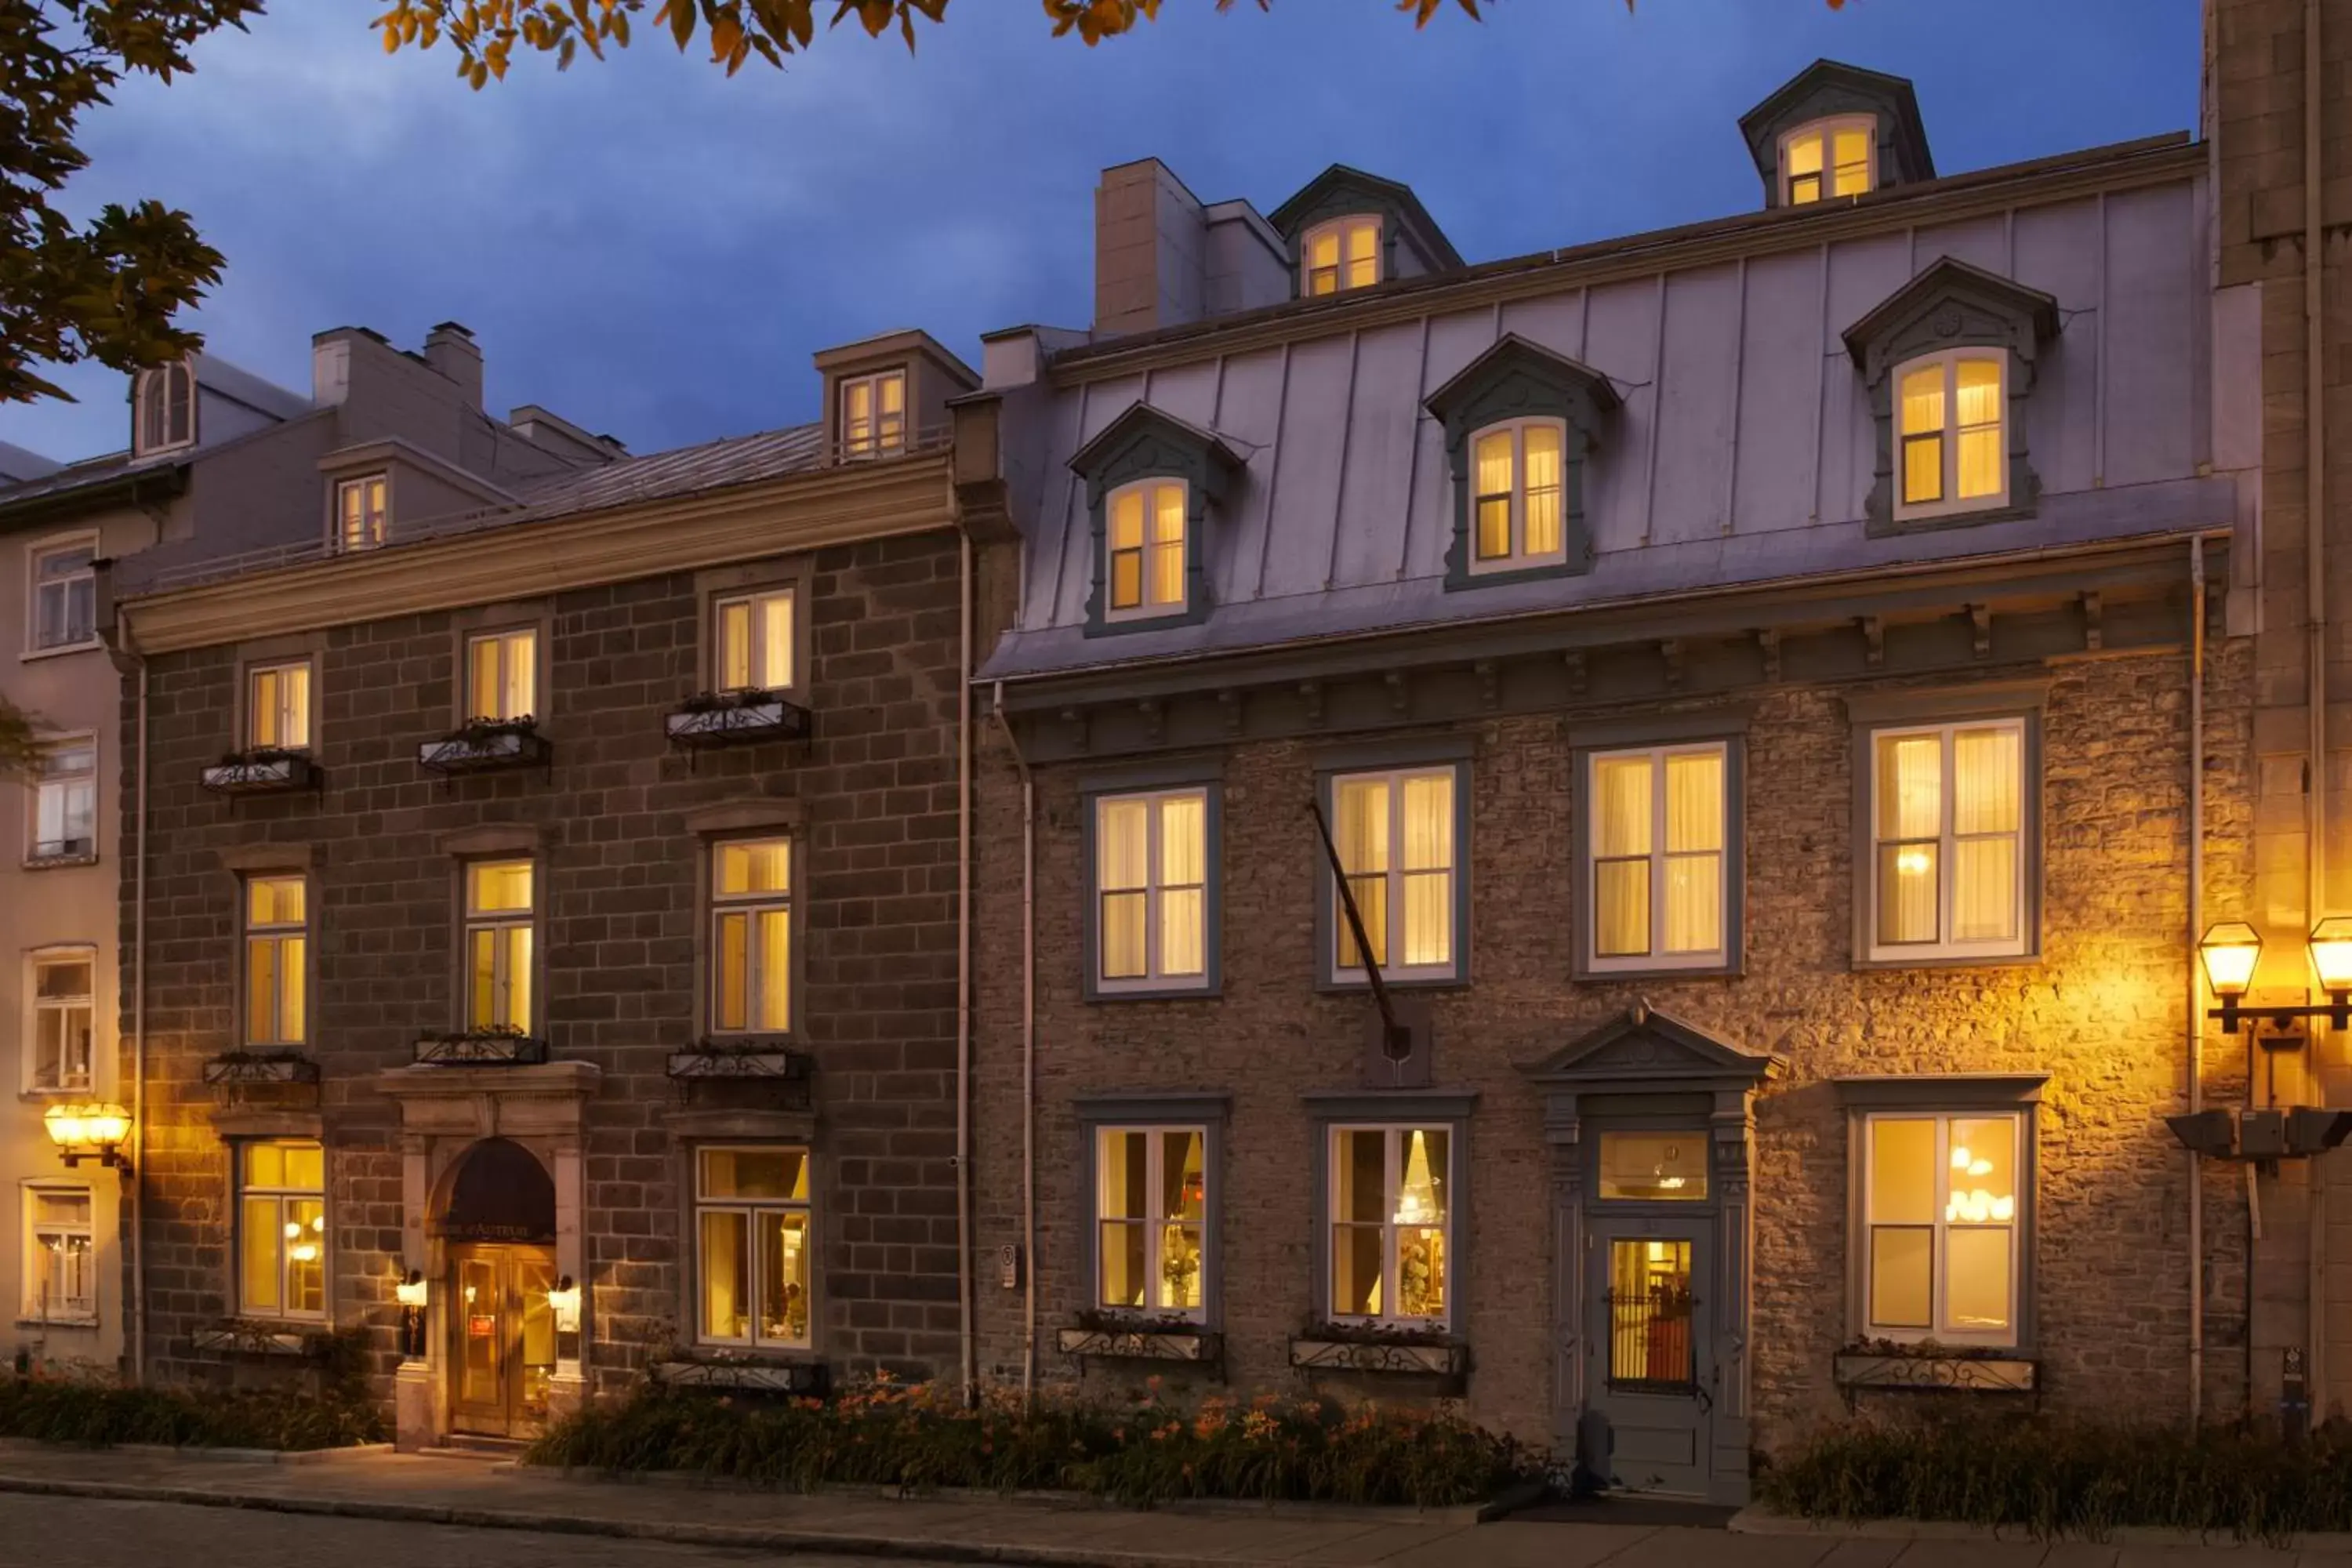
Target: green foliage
87	1411
920	1437
107	289
2058	1477
20	752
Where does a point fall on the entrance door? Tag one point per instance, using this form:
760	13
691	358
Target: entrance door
1650	1365
502	1333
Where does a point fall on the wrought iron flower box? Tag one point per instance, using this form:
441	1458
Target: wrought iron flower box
240	1067
1142	1343
1442	1359
1981	1373
481	1048
717	719
241	1337
798	1377
485	746
716	1060
260	772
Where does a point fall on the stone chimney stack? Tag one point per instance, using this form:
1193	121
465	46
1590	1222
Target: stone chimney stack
1150	250
449	348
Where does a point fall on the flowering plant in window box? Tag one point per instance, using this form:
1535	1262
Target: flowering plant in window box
481	744
1139	1336
502	1044
739	717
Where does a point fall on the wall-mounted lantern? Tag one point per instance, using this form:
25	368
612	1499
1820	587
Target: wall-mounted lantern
564	1302
413	1295
91	1131
2231	950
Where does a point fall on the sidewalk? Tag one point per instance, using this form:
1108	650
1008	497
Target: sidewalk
487	1494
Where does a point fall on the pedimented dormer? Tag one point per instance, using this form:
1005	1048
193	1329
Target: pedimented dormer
1347	230
1153	481
889	394
1836	132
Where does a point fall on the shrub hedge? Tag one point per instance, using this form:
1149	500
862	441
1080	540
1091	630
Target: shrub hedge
2056	1477
75	1410
920	1436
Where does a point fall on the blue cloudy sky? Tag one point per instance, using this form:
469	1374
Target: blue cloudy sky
655	251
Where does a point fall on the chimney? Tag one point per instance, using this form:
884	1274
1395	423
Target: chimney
1150	250
449	348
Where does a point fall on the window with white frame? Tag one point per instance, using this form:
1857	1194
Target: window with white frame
751	936
1342	254
502	675
873	414
362	512
1829	158
1391	1224
65	595
277	939
498	929
752	635
281	1229
64	1025
1396	835
1150	1210
1949	853
277	707
1942	1210
1955	456
1151	877
755	1243
163	408
1516	471
1145	522
65	801
60	1253
1659	819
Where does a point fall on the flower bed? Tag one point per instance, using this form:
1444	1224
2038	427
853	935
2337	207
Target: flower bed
71	1410
920	1436
2057	1478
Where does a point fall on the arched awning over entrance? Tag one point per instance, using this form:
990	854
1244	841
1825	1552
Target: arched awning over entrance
499	1192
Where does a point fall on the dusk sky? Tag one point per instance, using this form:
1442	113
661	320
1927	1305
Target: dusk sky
653	250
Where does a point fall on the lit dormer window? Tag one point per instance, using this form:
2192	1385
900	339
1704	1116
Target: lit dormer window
1829	158
163	408
1954	458
1342	254
362	511
874	413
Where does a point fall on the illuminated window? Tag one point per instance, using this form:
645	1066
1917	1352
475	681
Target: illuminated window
752	1219
277	707
1147	561
276	941
1650	1315
361	513
874	413
1151	879
163	413
1658	825
1829	158
65	1020
498	927
1342	254
1390	1224
502	675
752	636
1953	455
65	801
1947	813
1941	1204
1518	495
1151	1207
65	595
281	1231
751	936
1396	835
60	1255
1654	1167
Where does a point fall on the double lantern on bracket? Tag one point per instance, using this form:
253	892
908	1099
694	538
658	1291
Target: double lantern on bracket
2231	951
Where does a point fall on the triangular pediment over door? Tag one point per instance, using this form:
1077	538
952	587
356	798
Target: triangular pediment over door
1643	1050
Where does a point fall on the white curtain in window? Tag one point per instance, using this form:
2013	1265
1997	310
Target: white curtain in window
1183	854
1910	827
1428	866
1122	870
1621	789
1694	867
1988	783
1543	494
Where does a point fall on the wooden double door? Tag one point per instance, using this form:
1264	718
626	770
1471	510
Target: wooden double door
502	1338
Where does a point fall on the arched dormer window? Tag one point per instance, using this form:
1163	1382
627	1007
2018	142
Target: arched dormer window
1153	481
163	408
1520	424
1344	253
1952	411
1835	157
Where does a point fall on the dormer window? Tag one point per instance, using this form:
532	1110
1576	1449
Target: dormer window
163	408
1147	549
1953	455
1516	468
362	511
1342	254
1829	158
874	413
1521	424
1152	483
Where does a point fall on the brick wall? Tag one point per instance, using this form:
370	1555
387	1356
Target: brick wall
618	919
2101	1013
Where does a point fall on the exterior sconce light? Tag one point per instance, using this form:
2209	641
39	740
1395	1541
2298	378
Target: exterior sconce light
2232	949
563	1301
413	1294
90	1130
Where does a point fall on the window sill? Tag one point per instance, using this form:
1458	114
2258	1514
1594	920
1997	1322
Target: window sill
28	1321
1359	986
1100	993
58	862
1952	961
1928	522
31	655
1142	1342
1585	973
1990	1372
1470	579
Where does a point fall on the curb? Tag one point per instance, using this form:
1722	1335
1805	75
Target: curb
1759	1521
752	1537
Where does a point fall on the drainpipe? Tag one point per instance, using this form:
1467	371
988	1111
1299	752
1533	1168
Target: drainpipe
2315	529
123	651
963	974
1028	1055
2196	974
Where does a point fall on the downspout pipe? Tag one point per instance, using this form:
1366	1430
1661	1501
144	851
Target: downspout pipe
1028	1052
2314	532
2196	976
122	649
964	1282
